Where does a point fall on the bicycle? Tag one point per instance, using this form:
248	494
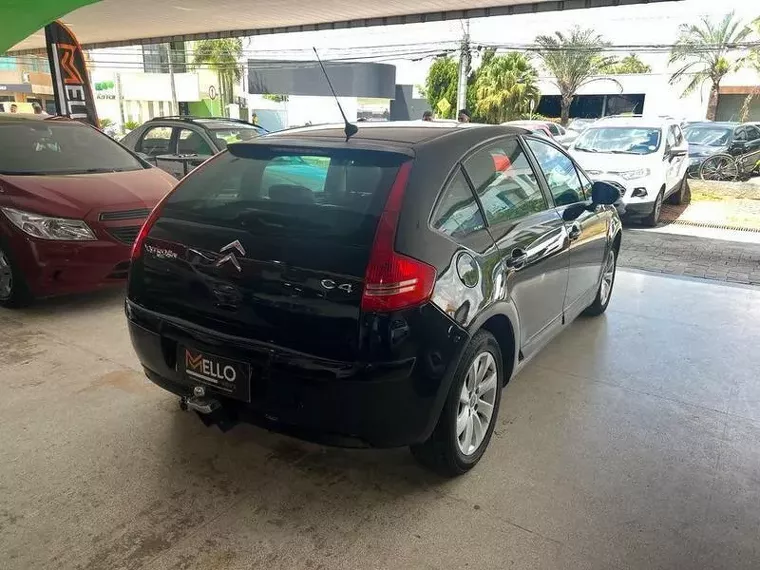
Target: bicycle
727	168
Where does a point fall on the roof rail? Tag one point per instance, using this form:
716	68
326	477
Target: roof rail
195	118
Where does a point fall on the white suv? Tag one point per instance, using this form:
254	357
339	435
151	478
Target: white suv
648	156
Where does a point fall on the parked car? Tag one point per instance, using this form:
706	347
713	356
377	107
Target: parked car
742	141
540	128
556	131
579	125
386	306
179	144
648	156
71	203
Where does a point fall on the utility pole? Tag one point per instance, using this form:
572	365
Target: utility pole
120	101
464	66
175	106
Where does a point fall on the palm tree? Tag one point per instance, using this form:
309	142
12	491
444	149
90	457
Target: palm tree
505	87
221	56
574	59
754	60
704	52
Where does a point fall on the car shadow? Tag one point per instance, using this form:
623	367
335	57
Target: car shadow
94	301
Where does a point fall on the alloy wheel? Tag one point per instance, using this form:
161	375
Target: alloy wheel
6	277
476	403
608	278
658	207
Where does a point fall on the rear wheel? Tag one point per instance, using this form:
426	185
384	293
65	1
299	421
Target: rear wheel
604	294
13	290
469	414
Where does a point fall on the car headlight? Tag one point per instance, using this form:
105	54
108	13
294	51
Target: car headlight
45	227
634	174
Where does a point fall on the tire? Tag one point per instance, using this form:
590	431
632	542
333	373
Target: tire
720	167
448	451
683	195
652	219
13	290
604	293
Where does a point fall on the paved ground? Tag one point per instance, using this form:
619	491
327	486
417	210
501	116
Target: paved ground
691	255
631	442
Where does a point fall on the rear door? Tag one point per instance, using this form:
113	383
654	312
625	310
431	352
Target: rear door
270	246
528	232
587	233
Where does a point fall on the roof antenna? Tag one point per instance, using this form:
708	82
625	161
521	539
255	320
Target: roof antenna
350	129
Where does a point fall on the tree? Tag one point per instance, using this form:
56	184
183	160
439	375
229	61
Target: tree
221	56
574	59
754	60
441	83
629	64
504	88
704	51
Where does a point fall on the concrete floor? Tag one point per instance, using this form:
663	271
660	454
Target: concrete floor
630	442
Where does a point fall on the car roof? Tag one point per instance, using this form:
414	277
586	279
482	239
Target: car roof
718	124
26	117
526	122
206	122
405	134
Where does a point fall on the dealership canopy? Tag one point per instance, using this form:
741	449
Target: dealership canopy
107	23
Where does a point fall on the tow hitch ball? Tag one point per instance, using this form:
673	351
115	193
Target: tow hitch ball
209	410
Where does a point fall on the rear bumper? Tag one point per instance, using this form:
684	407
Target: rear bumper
55	268
388	404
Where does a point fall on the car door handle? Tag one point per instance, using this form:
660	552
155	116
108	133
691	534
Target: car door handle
574	232
517	259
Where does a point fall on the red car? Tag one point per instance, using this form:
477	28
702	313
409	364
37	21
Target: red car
71	203
536	127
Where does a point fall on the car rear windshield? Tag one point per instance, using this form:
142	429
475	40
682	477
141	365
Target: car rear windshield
315	193
619	140
50	147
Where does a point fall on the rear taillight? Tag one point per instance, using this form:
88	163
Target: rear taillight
137	246
394	281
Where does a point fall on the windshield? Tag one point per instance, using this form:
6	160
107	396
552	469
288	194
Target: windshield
48	147
619	140
708	136
233	134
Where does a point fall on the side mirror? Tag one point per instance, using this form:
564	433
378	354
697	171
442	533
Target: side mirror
604	193
675	152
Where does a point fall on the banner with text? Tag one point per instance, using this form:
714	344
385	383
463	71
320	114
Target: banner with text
71	84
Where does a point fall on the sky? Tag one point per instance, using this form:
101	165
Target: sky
623	25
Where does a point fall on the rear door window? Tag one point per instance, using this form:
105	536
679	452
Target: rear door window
336	194
457	213
505	182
